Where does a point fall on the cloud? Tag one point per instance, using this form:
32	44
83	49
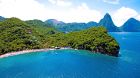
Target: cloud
138	17
112	1
32	9
24	9
60	2
123	14
81	13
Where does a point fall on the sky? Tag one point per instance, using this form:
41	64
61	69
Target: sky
71	10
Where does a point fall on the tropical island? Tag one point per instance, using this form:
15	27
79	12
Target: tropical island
17	35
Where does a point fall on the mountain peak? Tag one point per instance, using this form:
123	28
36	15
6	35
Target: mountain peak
54	21
106	19
108	23
14	19
131	25
132	19
107	16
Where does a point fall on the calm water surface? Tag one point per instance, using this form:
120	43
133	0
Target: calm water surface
77	63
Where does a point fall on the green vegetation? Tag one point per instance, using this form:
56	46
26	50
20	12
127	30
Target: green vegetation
42	27
94	39
18	35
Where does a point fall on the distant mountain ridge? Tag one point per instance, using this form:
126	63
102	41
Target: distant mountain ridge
2	18
131	25
68	27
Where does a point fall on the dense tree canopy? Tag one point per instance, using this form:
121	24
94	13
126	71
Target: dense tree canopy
16	35
94	39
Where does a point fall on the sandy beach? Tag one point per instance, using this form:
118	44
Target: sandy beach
26	51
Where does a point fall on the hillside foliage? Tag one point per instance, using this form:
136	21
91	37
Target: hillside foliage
94	39
16	35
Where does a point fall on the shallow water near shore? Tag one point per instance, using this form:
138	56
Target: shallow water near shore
77	63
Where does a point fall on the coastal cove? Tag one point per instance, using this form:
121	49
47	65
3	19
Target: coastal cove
69	38
18	35
70	63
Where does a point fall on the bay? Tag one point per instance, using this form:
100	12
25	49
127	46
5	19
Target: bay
77	63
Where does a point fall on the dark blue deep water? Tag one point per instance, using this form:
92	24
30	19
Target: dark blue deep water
77	63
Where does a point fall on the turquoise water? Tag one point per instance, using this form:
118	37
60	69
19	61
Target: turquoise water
77	63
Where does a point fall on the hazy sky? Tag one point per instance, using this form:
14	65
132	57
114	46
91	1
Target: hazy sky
71	10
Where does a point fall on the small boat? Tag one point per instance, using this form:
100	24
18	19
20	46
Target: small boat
57	47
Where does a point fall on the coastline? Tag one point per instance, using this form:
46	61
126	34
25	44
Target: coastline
27	51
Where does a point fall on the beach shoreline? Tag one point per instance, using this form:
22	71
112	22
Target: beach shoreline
27	51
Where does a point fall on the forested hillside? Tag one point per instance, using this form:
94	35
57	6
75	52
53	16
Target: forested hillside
16	35
94	39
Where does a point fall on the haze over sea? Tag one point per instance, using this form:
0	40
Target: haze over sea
77	63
